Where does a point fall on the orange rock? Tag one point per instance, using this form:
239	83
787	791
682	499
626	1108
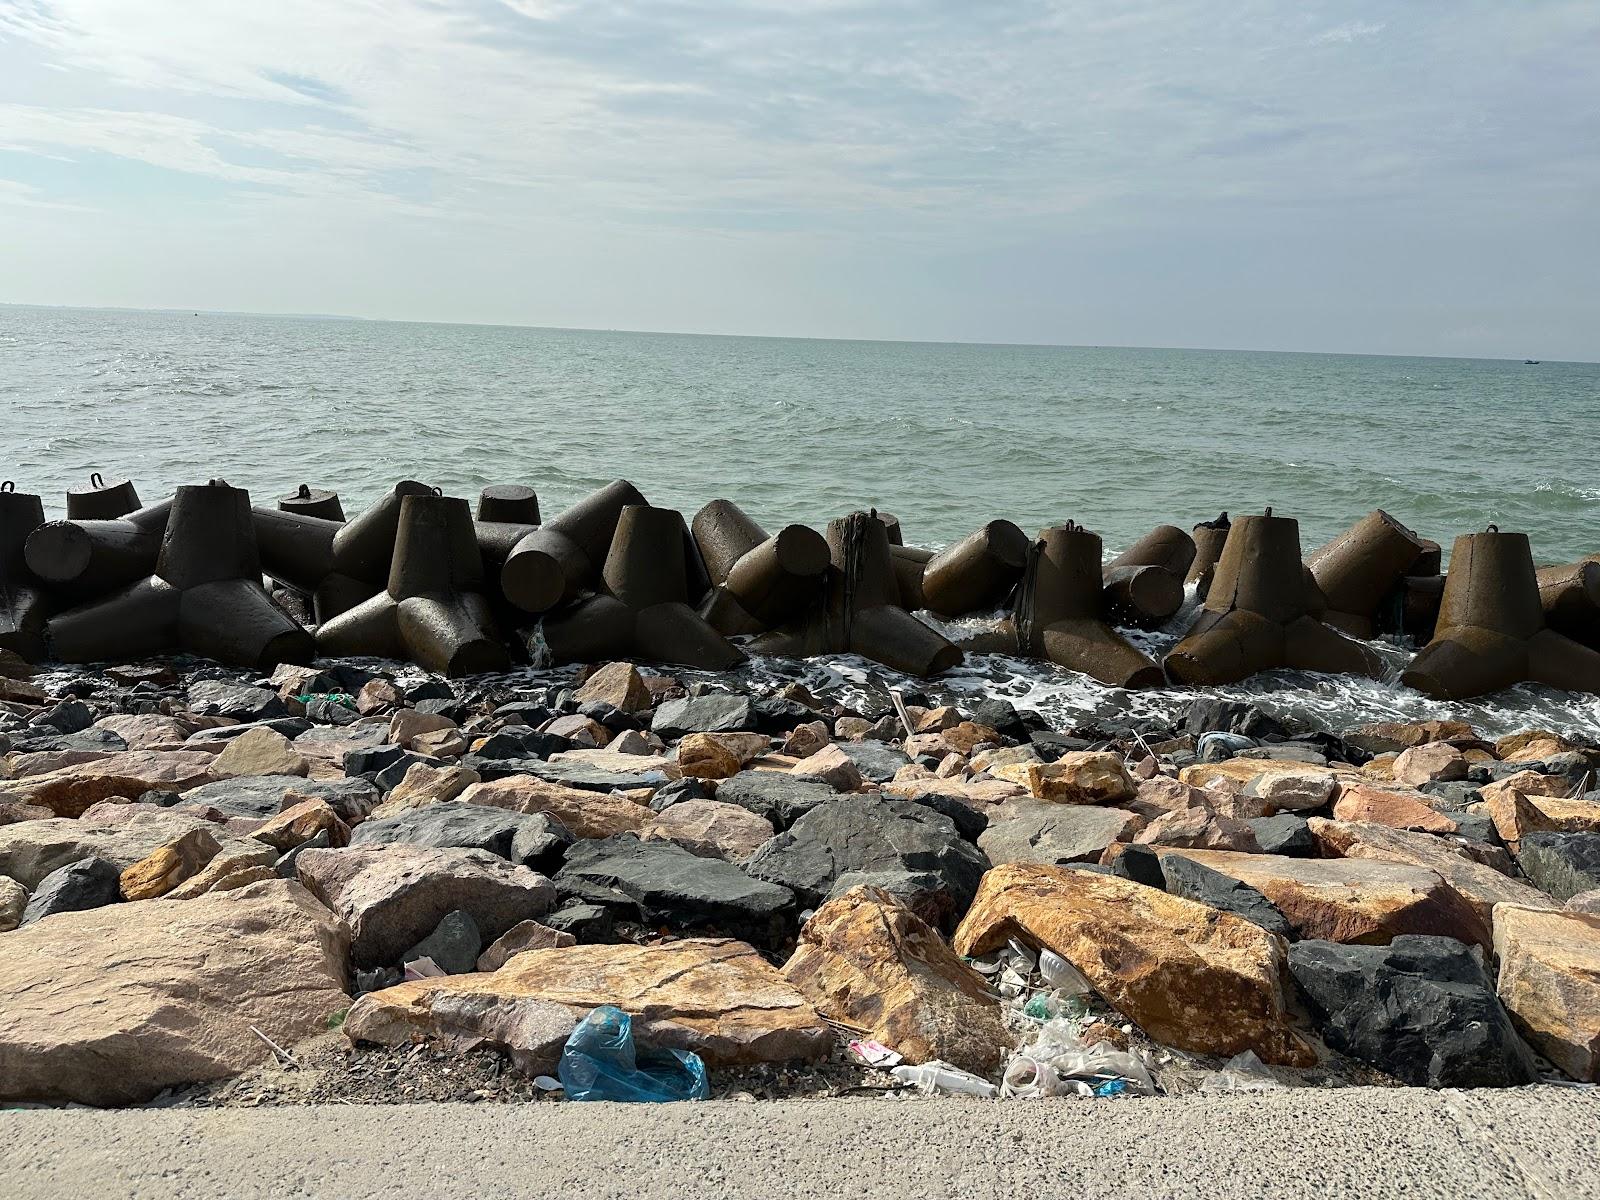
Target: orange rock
1381	806
586	814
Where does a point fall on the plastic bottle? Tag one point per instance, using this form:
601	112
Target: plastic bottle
942	1077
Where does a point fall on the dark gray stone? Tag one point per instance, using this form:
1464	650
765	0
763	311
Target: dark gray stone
320	840
775	715
1456	793
676	791
779	797
1209	714
1001	716
1190	880
369	760
1423	1009
661	883
257	797
534	840
1142	865
67	716
1562	864
876	761
969	822
220	698
87	883
1285	834
325	710
454	945
289	727
716	713
867	834
591	779
431	688
589	923
93	739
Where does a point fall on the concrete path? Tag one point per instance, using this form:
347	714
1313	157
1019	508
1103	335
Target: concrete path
1317	1144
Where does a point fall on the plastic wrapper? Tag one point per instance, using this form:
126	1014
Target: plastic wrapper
600	1062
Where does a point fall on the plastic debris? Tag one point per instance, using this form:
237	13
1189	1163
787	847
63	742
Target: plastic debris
940	1077
875	1054
1058	1063
600	1062
1242	1073
423	968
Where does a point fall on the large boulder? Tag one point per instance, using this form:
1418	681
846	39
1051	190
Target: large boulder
711	829
714	997
1421	1008
867	961
715	713
263	796
259	752
241	702
1386	806
1194	881
587	814
1039	832
112	1005
1561	864
1358	901
1188	975
1550	981
878	840
1077	777
76	887
69	791
393	896
30	850
618	684
779	797
535	840
661	883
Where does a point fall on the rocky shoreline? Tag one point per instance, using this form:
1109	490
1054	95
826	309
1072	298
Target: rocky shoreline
360	882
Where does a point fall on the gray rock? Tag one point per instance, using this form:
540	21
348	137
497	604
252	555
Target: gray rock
715	713
1190	880
868	834
219	697
1053	834
1423	1009
1142	865
876	761
87	883
289	727
658	882
780	798
257	797
1562	864
1456	793
969	822
93	739
676	791
65	717
588	923
1285	834
285	866
454	945
589	778
535	840
30	850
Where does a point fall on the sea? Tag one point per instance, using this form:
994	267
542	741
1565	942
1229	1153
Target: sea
946	436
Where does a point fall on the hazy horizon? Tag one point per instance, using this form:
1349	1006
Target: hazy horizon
1353	178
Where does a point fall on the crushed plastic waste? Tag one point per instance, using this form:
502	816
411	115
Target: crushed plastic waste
1057	1062
600	1062
1242	1073
940	1077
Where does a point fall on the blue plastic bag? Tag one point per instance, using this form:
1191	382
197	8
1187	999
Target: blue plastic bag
599	1062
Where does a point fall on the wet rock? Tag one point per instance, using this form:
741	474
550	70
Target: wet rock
1421	1008
525	935
779	797
1199	828
1285	834
1550	982
714	997
1430	762
67	792
1561	864
1191	977
868	961
1054	834
392	896
453	945
870	835
30	850
716	713
13	901
1398	810
85	884
1209	714
1079	777
661	883
535	840
586	814
711	829
218	697
164	994
166	867
1193	881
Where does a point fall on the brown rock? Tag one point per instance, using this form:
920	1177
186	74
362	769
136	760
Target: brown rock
1394	736
968	736
579	730
524	935
42	762
259	752
951	766
1189	975
423	785
164	869
1550	983
619	685
30	850
1380	806
1079	777
1515	813
441	743
13	900
1201	829
1356	901
111	1005
1000	756
1239	774
711	830
11	812
866	960
805	740
376	696
719	755
1583	902
1162	794
1428	762
585	814
17	691
937	720
409	724
1529	783
224	870
1532	745
301	823
131	773
148	731
715	997
851	729
981	794
833	765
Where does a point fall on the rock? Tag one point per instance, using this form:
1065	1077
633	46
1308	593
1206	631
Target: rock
831	765
164	994
875	762
1054	834
968	736
1286	834
301	823
534	840
581	775
1005	756
634	742
1077	777
978	794
1398	810
1429	762
1189	976
259	752
218	697
165	868
453	945
1293	791
266	796
579	730
377	695
1193	881
779	797
1532	745
1550	982
1516	814
13	901
969	822
1200	829
586	814
1253	775
661	883
805	740
423	785
85	884
393	896
1140	864
584	922
851	729
1357	901
714	997
408	724
866	834
717	713
1561	864
1481	886
67	792
228	870
30	850
1583	902
867	961
719	755
1529	783
635	770
525	935
148	731
676	791
711	829
1422	1009
618	684
1162	794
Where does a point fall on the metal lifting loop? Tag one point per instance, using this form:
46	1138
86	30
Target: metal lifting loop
96	480
8	486
304	491
1493	529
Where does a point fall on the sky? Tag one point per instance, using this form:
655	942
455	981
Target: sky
1419	177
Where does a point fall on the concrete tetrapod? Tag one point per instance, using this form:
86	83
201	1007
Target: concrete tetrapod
205	596
23	603
1058	612
644	609
555	562
1491	632
861	613
1257	615
976	574
1209	539
90	558
1570	597
758	582
1144	584
312	502
507	513
433	610
1362	567
102	501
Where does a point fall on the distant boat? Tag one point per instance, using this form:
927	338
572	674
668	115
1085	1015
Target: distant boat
1530	362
